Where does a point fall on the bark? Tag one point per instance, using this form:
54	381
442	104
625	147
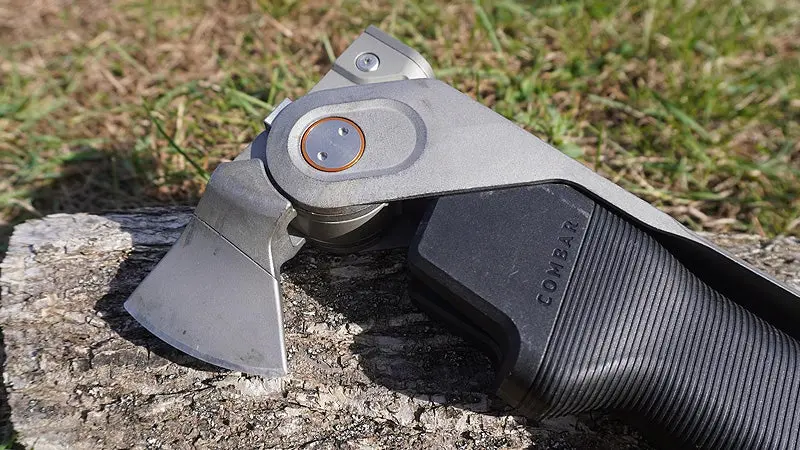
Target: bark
368	370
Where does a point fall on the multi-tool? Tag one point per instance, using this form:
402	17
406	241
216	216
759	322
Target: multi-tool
585	296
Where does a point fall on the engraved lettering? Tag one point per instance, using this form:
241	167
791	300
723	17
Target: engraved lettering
545	300
571	226
554	269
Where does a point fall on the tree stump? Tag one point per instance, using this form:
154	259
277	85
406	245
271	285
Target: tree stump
368	370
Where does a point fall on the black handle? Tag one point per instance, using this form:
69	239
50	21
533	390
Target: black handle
585	311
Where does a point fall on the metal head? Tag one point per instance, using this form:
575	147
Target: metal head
216	294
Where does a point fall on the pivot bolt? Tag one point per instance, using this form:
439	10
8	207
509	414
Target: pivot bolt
332	144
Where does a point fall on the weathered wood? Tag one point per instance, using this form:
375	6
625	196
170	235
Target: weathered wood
367	369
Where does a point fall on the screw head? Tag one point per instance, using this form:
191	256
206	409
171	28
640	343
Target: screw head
368	62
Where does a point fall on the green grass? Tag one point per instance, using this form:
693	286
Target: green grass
694	106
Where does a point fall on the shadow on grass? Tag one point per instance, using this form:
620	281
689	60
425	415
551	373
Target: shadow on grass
94	180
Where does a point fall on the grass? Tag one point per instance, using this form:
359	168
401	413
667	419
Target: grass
694	106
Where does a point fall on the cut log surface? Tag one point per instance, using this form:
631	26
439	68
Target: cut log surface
367	369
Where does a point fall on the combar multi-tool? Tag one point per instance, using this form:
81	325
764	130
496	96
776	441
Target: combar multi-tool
586	297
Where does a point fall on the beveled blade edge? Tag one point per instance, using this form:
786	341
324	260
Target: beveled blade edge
209	300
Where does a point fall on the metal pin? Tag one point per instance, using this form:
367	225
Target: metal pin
368	62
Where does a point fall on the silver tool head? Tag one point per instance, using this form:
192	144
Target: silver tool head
216	294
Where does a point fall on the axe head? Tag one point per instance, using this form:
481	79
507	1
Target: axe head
216	294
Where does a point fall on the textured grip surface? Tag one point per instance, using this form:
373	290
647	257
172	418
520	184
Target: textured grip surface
637	332
584	311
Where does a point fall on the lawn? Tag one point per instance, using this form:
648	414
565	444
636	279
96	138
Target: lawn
694	106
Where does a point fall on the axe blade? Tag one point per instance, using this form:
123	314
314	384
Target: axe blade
211	301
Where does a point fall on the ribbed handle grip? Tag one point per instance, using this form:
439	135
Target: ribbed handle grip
584	311
638	332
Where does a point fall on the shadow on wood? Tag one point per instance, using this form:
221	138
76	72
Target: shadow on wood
367	368
110	308
348	315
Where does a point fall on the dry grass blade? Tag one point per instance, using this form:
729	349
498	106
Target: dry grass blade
200	171
701	100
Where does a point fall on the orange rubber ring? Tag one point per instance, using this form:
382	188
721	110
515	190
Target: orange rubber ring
332	169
